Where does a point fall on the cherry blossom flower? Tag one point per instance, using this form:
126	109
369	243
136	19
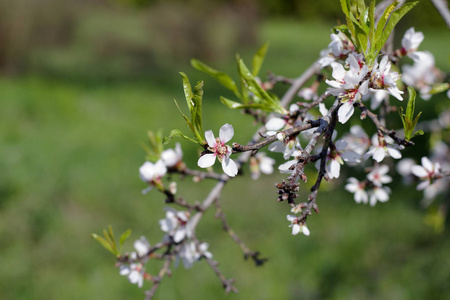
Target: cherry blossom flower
135	273
378	175
190	252
410	42
336	157
425	172
219	149
339	47
422	74
296	227
357	187
176	224
382	146
379	194
382	78
152	174
171	157
347	86
142	246
261	163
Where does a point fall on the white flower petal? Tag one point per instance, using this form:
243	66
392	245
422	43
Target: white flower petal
345	112
275	124
206	160
226	133
229	167
210	139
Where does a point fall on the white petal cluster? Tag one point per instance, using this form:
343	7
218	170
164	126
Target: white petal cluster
176	224
191	252
383	78
382	147
219	149
410	43
338	49
135	273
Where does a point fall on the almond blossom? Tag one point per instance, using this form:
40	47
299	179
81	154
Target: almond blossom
171	157
425	172
410	42
152	174
347	86
296	227
378	175
135	273
176	224
336	157
379	194
219	149
382	78
382	146
190	252
357	187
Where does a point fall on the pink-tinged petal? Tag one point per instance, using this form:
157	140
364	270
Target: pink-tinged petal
206	160
345	112
381	195
275	124
338	71
385	65
210	139
419	171
394	153
229	167
354	65
226	133
394	91
379	154
427	164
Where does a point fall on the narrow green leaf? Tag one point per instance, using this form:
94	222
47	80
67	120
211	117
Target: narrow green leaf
221	77
185	118
103	242
371	24
439	88
124	236
411	103
111	238
344	7
384	19
196	113
402	117
236	105
187	91
258	59
260	95
393	19
178	133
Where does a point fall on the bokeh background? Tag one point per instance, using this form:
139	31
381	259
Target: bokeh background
81	84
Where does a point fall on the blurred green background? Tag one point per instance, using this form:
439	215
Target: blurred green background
81	84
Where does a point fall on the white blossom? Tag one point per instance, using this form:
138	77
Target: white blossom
261	163
171	157
382	78
379	194
426	172
296	227
135	273
190	252
142	246
152	173
378	176
176	224
382	147
357	187
219	149
336	157
410	42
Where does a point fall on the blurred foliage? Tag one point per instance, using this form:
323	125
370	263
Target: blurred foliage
97	75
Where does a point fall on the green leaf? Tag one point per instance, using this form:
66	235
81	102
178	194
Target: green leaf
185	118
258	59
236	105
418	132
124	236
372	23
411	103
391	19
221	77
344	7
178	133
103	242
187	91
196	112
260	95
439	88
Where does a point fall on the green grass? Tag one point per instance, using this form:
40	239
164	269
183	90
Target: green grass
70	154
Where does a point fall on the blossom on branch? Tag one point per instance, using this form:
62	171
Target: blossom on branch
261	163
410	42
176	224
358	188
172	157
296	227
135	273
382	78
152	174
218	148
427	171
382	146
